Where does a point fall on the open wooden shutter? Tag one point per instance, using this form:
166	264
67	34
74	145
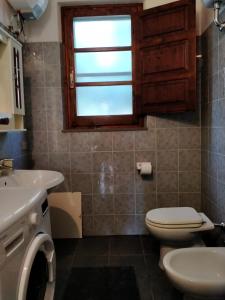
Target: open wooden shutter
168	58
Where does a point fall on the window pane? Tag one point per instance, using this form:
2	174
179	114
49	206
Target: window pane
103	66
104	100
102	31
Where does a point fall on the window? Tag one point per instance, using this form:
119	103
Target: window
122	63
101	62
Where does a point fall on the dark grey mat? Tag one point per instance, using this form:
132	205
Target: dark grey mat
102	283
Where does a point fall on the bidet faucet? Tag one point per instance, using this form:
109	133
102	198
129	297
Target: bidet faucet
222	224
6	166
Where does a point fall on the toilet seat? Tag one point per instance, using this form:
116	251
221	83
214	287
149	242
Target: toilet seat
174	217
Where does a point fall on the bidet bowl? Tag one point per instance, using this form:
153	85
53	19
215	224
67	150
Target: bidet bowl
198	271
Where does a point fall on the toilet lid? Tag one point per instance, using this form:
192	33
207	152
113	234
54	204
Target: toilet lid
174	216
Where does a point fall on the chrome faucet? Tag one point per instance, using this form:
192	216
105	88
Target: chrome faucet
6	166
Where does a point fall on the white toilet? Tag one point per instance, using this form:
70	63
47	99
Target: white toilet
177	227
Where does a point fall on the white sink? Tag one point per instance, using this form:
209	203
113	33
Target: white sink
32	178
198	270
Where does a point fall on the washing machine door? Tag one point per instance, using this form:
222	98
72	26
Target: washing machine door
37	280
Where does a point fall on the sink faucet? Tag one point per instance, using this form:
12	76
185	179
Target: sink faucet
6	166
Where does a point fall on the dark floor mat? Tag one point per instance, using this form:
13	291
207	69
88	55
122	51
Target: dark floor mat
106	283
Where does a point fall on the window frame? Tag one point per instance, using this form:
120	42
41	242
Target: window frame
72	121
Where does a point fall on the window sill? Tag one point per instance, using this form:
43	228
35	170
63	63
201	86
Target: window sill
107	128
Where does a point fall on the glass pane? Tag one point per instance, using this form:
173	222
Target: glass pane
106	31
104	100
103	66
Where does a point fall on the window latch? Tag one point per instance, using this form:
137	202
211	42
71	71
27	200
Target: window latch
72	84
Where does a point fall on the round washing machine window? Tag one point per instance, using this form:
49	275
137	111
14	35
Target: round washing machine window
37	280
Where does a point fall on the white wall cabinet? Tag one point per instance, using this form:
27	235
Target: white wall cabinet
11	82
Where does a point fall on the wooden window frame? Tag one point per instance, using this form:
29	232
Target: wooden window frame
100	122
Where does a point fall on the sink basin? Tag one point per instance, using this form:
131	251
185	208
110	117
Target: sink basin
198	270
42	179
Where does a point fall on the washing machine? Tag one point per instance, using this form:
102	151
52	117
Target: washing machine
27	255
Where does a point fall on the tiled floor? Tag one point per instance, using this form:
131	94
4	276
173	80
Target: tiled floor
141	252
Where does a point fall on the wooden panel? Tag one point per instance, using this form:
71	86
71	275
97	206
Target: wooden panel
66	215
167	57
164	22
165	92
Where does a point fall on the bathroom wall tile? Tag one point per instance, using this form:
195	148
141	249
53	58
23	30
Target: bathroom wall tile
125	224
72	153
41	161
59	162
204	138
58	142
221	168
213	165
167	139
51	53
82	183
88	225
104	225
167	121
124	183
189	160
39	121
102	162
213	140
81	162
189	138
54	99
221	140
145	202
103	204
189	182
39	143
87	205
204	161
123	162
124	204
123	141
53	76
145	184
34	79
103	184
101	141
145	140
54	120
213	86
140	225
167	182
167	199
190	199
65	186
38	99
167	160
80	142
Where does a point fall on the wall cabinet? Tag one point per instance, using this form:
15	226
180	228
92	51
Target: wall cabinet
11	82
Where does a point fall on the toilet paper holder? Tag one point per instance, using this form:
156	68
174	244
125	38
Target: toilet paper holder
145	168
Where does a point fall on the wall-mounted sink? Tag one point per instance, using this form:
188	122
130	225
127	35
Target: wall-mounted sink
42	179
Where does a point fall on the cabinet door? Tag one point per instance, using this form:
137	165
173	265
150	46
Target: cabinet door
168	58
18	90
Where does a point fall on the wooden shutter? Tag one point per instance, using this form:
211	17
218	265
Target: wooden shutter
168	58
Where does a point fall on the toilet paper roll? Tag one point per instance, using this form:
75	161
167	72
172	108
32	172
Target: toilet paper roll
146	168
